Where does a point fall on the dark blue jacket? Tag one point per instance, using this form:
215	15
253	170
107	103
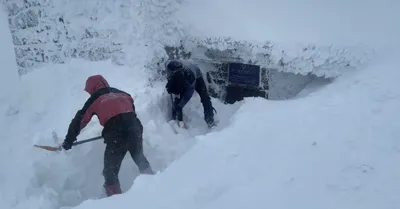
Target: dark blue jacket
191	73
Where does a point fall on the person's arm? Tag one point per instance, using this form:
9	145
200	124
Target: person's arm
179	103
188	90
81	119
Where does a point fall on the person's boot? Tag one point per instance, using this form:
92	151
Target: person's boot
112	189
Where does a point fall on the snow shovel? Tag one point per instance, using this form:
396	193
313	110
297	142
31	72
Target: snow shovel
50	148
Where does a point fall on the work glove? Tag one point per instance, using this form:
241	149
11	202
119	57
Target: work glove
177	112
66	145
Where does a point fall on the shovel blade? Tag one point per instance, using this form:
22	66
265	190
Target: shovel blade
49	148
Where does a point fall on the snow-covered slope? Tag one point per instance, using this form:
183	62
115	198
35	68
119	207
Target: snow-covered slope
336	148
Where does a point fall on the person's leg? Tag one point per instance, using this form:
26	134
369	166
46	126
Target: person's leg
135	148
113	156
201	89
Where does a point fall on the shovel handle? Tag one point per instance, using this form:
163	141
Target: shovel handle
50	148
87	140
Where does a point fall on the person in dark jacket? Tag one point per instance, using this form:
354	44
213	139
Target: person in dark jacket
122	130
183	80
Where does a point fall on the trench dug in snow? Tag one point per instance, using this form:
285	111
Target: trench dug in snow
67	179
47	99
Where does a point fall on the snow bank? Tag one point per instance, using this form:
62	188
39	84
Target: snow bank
9	74
336	148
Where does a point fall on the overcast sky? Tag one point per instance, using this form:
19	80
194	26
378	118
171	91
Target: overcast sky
328	21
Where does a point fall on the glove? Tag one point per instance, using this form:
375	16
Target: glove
177	114
177	111
66	145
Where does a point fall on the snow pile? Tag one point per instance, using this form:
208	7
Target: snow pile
336	148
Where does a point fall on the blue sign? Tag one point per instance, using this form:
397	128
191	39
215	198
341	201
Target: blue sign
244	74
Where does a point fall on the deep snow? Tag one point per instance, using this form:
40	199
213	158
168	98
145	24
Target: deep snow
66	179
336	148
332	147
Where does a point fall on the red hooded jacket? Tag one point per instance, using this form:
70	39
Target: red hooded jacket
105	102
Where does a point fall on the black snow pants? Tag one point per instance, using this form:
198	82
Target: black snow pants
205	99
123	134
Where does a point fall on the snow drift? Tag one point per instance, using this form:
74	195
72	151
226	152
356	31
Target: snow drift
336	148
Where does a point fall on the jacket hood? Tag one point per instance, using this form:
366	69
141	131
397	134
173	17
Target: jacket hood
94	83
173	66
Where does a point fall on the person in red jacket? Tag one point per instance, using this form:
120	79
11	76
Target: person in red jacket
122	130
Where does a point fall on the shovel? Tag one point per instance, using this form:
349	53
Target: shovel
50	148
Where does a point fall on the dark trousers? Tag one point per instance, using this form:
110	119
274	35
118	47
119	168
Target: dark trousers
205	99
118	144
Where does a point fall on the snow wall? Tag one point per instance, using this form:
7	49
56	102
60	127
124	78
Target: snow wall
9	75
